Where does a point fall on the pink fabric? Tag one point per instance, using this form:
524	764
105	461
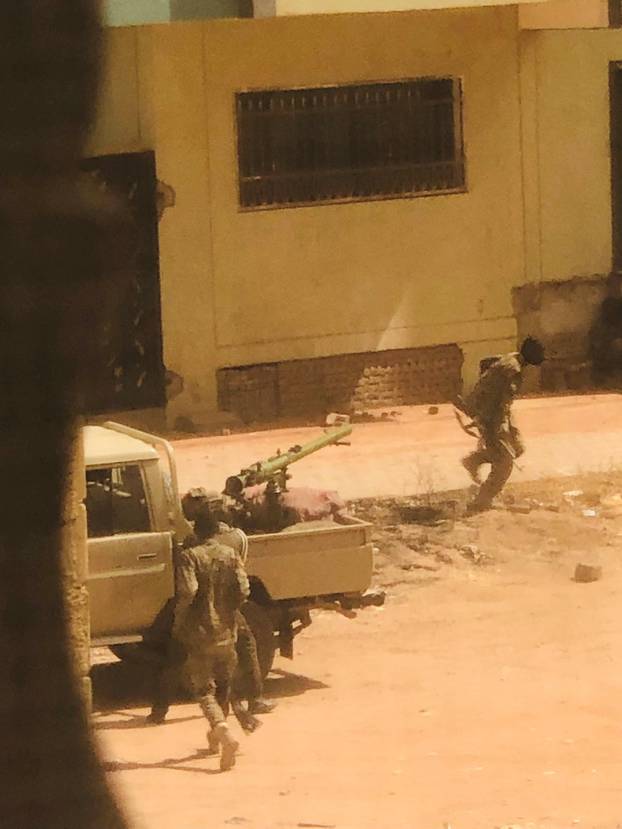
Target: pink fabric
310	504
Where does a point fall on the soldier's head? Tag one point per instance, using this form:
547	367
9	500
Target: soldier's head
195	498
204	509
532	351
206	522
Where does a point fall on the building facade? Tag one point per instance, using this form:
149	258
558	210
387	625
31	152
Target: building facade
292	277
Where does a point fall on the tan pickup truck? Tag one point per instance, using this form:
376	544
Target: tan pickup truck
135	520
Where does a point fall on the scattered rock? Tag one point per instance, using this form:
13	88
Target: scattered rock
433	410
524	509
589	513
418	565
474	554
573	493
587	572
447	556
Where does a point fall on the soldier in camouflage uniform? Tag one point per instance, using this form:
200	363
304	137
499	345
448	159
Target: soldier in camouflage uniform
489	405
211	585
247	681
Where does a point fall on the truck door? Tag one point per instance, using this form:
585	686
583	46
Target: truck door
130	565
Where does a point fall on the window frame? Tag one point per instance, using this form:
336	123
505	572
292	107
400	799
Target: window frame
146	490
458	96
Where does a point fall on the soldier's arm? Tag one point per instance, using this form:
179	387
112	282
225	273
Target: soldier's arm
187	587
240	586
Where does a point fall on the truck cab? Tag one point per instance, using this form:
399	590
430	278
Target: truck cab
130	535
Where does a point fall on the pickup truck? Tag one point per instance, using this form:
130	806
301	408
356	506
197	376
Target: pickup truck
135	520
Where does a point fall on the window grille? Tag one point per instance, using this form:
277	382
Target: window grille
349	143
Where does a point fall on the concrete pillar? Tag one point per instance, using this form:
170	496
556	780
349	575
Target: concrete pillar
75	566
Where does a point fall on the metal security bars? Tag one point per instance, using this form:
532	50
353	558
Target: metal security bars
350	143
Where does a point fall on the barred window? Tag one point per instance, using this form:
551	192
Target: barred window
350	143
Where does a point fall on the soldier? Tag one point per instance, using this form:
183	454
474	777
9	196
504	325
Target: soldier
247	682
489	405
211	586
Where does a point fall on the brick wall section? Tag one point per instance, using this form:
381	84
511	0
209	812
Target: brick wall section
75	564
345	382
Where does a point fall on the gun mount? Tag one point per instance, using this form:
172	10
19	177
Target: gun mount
272	515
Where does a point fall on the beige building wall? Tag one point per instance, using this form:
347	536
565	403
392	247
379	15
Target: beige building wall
269	285
565	14
292	7
565	99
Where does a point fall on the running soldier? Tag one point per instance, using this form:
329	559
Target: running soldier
490	407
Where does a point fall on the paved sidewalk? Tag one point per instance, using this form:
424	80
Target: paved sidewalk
418	452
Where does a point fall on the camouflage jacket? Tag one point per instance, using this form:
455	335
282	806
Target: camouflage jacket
211	586
490	401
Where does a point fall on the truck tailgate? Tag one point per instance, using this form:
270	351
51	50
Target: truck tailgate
319	561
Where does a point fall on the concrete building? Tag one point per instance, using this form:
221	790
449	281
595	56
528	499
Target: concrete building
281	292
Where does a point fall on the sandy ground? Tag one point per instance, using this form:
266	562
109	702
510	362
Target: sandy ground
486	693
415	452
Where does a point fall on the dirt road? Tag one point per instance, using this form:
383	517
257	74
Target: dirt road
417	452
483	695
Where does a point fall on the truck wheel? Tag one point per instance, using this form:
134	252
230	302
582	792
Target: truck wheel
260	623
127	652
138	652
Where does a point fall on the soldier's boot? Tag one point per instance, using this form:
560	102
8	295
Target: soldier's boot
213	742
261	706
248	722
228	747
157	715
472	466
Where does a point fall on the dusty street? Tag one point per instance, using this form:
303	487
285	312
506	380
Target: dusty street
416	452
487	692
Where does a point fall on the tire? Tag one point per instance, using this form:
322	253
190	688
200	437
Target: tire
135	652
260	623
130	652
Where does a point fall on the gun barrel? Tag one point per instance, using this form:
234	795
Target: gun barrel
262	471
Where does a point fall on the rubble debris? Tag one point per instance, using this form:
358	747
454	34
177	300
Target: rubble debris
474	554
415	565
586	573
589	513
523	509
447	556
573	493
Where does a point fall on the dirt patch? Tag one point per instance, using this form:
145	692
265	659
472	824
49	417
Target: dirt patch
418	538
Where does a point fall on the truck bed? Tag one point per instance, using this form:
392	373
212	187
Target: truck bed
314	561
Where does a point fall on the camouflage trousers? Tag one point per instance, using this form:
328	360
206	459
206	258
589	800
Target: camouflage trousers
247	682
210	669
246	675
499	448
